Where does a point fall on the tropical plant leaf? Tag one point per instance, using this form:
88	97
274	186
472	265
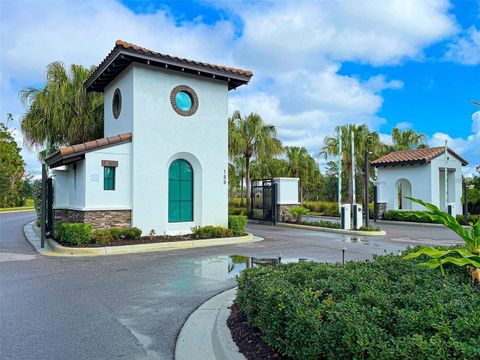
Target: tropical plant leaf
429	251
460	261
432	264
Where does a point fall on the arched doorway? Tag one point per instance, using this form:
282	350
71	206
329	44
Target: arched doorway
180	191
403	190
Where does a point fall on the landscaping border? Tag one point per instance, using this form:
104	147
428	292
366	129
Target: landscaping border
58	250
331	230
205	334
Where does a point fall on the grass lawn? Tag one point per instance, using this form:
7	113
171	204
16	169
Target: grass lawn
27	206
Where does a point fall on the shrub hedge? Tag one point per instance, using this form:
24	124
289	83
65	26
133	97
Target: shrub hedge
407	215
211	232
471	219
106	236
74	233
388	308
237	224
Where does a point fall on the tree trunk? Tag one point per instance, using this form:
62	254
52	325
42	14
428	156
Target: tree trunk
247	180
242	203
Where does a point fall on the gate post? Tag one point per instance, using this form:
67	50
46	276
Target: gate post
274	202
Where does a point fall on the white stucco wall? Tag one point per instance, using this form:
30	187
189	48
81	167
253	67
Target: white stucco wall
417	175
69	186
160	136
124	123
454	180
96	197
427	183
287	191
88	194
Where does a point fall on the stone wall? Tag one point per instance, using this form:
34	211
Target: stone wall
100	219
282	212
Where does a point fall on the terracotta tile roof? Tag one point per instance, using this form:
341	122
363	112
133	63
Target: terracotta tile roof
418	156
125	53
128	45
69	152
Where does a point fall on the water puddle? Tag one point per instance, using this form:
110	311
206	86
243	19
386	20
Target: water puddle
224	267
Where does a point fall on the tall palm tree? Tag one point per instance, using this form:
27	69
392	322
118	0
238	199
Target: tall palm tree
62	111
251	138
407	139
364	139
239	164
301	165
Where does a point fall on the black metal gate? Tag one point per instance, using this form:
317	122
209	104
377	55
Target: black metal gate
263	201
49	207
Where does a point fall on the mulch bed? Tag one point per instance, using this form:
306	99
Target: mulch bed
248	338
142	240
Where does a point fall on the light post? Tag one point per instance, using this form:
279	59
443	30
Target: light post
365	186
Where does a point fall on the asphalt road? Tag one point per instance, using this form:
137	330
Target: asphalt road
133	306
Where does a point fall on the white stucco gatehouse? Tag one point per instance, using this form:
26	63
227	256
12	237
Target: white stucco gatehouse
163	162
420	174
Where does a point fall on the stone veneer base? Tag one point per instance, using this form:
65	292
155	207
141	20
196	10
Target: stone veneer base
100	219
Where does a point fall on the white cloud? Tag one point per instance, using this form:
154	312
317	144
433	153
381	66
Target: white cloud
295	49
466	48
468	147
404	125
367	31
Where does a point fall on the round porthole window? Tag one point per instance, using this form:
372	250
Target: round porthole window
117	103
184	100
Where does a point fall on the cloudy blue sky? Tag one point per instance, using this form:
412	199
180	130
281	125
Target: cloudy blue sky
316	64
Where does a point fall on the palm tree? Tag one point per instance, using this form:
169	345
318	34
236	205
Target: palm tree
301	165
62	111
251	138
364	139
407	139
239	164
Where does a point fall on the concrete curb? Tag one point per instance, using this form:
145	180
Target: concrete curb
337	231
55	249
205	334
32	234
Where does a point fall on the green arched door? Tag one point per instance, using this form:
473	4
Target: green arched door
180	191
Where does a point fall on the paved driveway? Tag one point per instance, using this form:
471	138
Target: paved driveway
130	306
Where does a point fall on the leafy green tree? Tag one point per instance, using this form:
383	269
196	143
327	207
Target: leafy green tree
407	140
302	165
251	138
364	139
12	168
62	112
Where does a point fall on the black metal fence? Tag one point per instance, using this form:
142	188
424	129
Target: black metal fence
263	201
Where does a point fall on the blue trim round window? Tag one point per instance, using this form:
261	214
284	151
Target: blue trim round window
184	100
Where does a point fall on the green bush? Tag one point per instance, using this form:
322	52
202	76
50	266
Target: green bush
106	236
324	223
211	232
236	211
74	233
472	219
369	228
407	215
322	207
388	308
237	224
297	212
37	199
102	237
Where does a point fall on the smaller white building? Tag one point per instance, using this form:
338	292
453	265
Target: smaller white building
420	174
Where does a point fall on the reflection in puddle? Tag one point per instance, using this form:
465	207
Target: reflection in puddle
224	267
355	240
